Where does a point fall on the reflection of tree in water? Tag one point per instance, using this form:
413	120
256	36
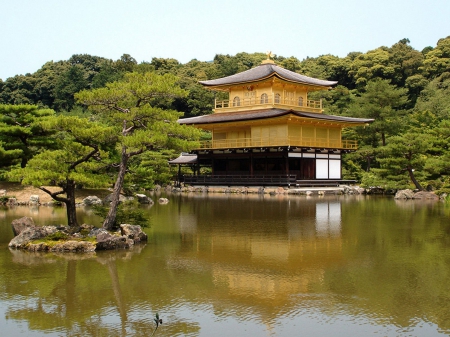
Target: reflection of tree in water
68	304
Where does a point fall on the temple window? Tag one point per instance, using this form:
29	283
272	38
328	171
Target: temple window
236	101
264	98
300	101
277	98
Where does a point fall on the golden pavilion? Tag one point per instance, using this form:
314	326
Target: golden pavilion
268	132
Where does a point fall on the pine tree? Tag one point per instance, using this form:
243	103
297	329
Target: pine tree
79	159
130	106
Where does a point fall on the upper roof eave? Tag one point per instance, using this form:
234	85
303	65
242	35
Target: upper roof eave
263	72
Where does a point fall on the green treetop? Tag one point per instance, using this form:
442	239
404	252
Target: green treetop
383	102
403	160
79	158
21	131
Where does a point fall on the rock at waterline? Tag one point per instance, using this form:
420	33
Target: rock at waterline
133	232
108	241
19	225
92	200
30	234
34	199
409	194
143	199
163	201
426	195
404	194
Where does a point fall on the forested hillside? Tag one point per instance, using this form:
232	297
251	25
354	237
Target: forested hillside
406	91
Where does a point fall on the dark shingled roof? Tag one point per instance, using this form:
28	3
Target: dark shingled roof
264	71
266	113
184	158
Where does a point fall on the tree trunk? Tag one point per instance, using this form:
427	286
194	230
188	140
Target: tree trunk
368	163
413	179
110	219
70	205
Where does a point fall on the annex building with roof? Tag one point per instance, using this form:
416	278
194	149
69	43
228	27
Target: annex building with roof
269	132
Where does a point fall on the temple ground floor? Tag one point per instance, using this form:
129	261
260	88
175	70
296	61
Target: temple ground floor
280	166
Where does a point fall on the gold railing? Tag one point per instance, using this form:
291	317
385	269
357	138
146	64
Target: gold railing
279	141
268	102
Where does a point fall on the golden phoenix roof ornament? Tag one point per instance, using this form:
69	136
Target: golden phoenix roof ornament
268	60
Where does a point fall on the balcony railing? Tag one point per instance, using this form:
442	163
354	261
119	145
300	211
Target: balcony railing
268	102
243	180
279	141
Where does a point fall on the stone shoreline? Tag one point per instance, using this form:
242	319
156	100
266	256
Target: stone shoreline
338	190
272	190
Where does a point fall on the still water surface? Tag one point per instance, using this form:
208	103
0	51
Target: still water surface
232	265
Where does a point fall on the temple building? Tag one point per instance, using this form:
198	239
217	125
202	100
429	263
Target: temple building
269	132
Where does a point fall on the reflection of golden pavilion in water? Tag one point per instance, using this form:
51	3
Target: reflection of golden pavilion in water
296	259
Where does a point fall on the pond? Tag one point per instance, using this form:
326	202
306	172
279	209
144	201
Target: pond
242	265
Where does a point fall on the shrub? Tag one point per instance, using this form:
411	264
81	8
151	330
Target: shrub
57	236
4	199
127	212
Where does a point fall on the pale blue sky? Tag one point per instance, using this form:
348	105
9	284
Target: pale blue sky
36	31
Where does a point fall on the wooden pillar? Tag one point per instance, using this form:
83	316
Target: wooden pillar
286	158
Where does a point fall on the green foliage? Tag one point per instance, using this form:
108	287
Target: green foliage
438	163
75	139
383	102
403	160
57	236
371	65
371	179
227	65
131	101
55	83
163	66
79	157
70	82
108	73
352	171
435	97
437	60
126	63
21	133
149	169
19	89
128	212
4	199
